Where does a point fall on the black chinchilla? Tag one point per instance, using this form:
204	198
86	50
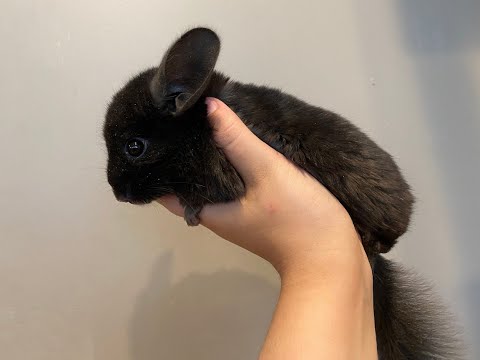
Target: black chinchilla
159	142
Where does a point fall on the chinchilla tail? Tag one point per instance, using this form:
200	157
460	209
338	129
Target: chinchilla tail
410	321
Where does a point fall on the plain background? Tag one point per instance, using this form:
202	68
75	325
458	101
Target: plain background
84	277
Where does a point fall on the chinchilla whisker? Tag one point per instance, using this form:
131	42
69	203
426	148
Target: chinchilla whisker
185	200
206	198
182	182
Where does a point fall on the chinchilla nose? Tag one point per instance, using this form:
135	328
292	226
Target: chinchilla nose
124	194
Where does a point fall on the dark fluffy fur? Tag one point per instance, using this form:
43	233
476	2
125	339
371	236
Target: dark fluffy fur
164	107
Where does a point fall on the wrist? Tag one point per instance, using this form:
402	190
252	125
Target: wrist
346	270
333	304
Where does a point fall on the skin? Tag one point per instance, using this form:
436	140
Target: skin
325	308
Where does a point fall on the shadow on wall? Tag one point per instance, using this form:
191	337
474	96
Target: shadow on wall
222	315
441	37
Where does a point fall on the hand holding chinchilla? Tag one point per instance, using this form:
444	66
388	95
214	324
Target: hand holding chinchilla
292	221
281	202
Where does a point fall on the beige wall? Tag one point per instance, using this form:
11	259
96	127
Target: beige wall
84	277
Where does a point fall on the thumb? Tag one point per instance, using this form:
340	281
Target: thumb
251	157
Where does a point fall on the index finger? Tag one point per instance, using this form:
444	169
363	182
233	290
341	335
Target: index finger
248	154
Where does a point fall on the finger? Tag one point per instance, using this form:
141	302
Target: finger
248	154
227	220
216	217
222	215
172	204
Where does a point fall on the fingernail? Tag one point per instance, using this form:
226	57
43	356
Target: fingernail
211	105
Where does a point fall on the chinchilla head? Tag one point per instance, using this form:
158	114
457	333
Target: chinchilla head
155	129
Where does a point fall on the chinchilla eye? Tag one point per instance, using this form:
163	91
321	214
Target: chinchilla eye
135	147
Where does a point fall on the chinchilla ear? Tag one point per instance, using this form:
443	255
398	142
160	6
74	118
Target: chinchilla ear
185	70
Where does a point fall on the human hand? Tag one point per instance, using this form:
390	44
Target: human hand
325	308
286	216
